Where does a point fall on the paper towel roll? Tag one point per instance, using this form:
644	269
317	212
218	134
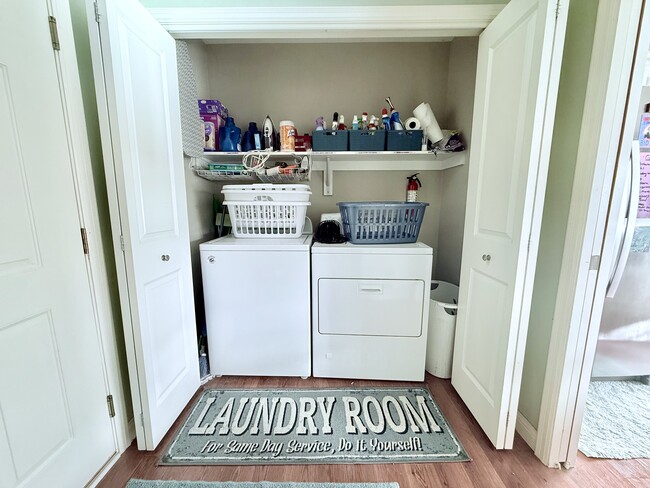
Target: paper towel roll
412	123
421	112
425	115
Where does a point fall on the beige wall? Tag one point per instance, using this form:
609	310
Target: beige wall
299	82
568	120
460	109
302	81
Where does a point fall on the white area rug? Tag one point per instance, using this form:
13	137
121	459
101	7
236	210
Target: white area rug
617	420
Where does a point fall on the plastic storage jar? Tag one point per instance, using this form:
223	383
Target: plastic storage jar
287	135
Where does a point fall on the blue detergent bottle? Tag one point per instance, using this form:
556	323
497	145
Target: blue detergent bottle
229	136
252	138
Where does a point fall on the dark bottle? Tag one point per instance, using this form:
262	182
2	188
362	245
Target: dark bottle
252	139
229	136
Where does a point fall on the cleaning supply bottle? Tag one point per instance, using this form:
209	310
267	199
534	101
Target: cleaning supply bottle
395	122
229	136
412	188
385	118
252	139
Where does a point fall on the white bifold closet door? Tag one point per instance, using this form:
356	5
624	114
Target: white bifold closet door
141	139
516	90
55	427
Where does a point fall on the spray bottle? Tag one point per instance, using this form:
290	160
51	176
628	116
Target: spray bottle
412	187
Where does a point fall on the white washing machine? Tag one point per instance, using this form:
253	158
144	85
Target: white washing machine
257	306
370	310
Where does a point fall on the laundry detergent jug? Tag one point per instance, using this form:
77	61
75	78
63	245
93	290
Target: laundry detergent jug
229	136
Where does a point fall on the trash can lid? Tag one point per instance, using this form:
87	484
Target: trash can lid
444	292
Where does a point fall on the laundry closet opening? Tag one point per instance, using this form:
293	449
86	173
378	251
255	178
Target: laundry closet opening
303	81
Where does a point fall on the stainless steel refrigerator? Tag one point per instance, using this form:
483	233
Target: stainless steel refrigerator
624	340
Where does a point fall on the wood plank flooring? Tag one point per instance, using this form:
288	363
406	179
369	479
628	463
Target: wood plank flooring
489	468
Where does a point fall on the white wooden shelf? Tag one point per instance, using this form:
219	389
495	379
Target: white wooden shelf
387	160
329	162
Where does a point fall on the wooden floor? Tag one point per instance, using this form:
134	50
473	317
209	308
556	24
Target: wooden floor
489	468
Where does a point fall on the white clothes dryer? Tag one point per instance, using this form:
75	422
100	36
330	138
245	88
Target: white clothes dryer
257	306
370	310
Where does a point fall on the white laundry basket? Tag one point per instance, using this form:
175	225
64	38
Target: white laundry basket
442	328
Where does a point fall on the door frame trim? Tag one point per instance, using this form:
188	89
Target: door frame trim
88	214
329	23
580	295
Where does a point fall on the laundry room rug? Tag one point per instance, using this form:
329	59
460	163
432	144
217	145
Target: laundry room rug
616	424
134	483
323	426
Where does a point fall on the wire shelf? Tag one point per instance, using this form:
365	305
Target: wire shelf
295	177
223	175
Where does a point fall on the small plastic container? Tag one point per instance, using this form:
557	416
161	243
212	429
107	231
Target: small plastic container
442	329
330	140
287	135
404	140
266	192
382	222
367	140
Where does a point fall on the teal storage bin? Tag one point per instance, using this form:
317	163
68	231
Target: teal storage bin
367	140
329	140
404	140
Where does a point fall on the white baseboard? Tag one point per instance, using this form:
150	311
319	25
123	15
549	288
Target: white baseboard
527	432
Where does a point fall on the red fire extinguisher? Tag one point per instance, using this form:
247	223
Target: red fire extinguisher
412	187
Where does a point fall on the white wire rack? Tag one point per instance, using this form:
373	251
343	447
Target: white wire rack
223	175
259	165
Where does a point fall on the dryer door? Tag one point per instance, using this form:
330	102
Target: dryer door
370	307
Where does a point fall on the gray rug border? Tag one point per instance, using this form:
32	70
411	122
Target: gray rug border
461	454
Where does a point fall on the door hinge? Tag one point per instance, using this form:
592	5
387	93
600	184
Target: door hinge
54	33
97	17
84	240
594	263
122	243
142	419
557	9
111	406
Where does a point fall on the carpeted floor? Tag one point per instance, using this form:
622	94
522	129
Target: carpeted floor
616	424
261	484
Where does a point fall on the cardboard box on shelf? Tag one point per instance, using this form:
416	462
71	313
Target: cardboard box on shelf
213	114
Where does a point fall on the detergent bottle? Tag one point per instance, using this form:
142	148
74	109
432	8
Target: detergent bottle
229	136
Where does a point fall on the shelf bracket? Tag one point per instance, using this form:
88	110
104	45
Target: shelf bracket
328	178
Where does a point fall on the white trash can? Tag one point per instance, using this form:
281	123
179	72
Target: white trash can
442	328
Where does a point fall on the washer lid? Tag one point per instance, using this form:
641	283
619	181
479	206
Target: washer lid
348	248
231	243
